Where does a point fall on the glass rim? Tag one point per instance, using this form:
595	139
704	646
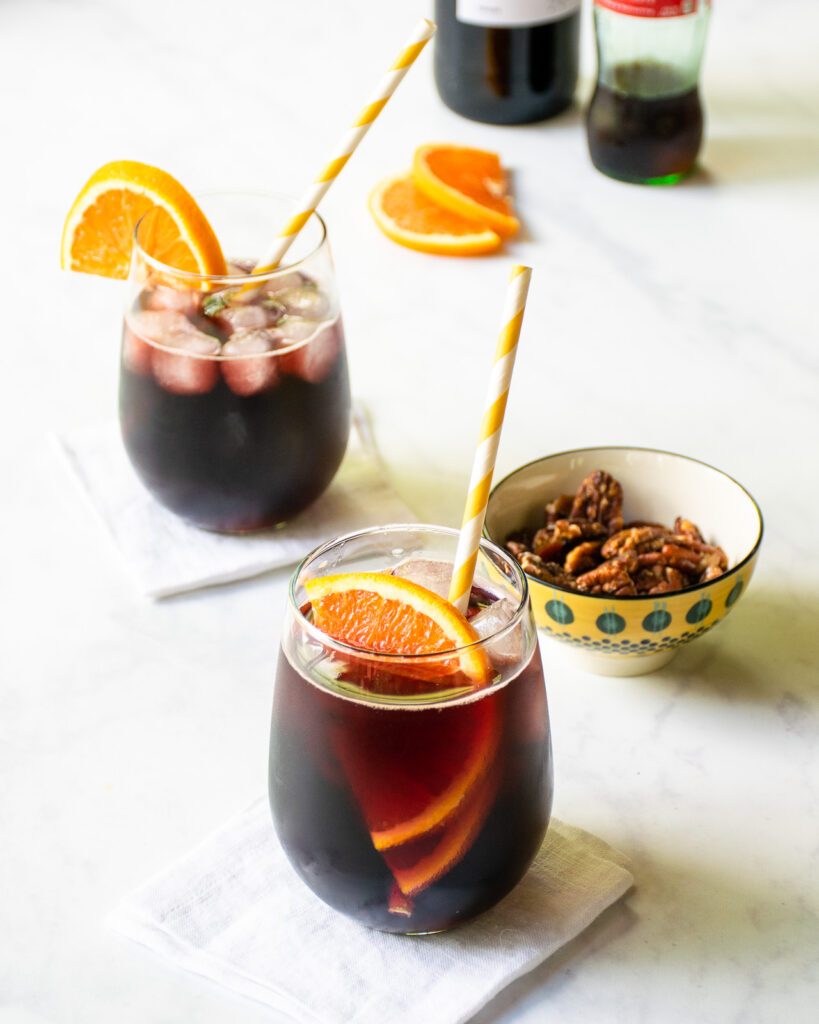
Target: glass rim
233	279
392	658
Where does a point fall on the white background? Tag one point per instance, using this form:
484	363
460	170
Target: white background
680	318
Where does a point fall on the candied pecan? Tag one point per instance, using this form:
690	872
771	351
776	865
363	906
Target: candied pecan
646	579
583	557
712	557
646	558
627	560
599	498
608	577
674	578
637	537
516	547
559	508
589	529
708	554
518	542
550	541
548	544
680	558
687	527
617	583
642	557
549	572
699	554
711	573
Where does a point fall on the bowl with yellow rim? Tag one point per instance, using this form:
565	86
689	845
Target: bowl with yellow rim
631	635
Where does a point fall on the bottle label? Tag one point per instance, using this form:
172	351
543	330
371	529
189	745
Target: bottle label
651	8
513	13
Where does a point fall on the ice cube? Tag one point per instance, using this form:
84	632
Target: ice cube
239	265
305	301
312	360
293	329
256	370
281	282
494	616
426	572
136	353
142	327
184	365
159	325
491	620
182	300
249	317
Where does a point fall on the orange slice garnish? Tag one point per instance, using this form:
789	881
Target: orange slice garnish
469	182
409	217
387	614
416	865
99	229
422	778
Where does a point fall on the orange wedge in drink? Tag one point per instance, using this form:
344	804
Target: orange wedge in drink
99	229
421	776
418	863
468	182
386	614
408	216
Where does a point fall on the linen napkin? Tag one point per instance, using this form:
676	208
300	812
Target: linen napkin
167	556
234	911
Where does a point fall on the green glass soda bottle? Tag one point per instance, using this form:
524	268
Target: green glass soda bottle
645	120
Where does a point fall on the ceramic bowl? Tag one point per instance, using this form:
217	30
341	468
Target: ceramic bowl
632	635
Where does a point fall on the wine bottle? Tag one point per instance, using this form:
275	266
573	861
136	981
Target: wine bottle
507	61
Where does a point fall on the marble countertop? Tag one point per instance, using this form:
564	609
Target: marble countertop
678	318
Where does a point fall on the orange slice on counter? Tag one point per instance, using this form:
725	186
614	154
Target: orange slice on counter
469	182
408	216
422	777
99	229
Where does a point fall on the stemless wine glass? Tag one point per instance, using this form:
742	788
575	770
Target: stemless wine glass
403	795
235	401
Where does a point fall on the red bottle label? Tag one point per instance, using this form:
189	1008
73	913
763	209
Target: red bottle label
651	8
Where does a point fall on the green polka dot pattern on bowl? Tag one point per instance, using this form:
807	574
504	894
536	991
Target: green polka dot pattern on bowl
658	620
610	622
558	610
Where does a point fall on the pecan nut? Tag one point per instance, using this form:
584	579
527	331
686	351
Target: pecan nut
582	557
559	508
687	527
599	498
549	572
584	546
638	538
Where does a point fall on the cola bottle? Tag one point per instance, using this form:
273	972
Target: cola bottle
645	120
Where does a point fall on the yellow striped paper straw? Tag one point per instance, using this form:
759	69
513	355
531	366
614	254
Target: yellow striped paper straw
424	31
480	483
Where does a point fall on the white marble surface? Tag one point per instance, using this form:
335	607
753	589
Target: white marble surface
682	319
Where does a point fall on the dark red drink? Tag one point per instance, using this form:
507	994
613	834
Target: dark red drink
234	393
236	444
336	763
405	800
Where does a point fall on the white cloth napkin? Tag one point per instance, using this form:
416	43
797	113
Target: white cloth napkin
167	556
234	911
